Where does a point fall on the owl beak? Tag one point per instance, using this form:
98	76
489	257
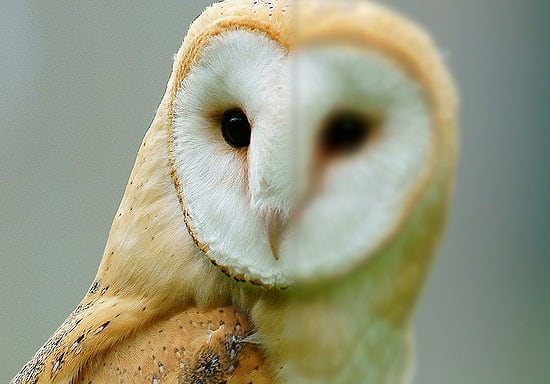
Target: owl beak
275	232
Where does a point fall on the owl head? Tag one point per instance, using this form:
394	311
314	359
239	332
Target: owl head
306	136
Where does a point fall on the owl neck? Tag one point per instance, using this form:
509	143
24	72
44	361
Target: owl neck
357	327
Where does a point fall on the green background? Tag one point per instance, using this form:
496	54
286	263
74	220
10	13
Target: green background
79	85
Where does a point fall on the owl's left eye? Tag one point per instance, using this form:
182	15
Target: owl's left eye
236	128
345	132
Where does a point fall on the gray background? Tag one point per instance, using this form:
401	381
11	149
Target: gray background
79	85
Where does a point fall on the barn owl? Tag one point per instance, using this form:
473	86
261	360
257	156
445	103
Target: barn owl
282	211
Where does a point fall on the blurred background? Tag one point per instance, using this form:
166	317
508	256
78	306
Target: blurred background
79	86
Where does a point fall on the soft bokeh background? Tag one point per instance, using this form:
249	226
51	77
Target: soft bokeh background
79	85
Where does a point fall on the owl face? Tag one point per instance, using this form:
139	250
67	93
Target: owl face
299	162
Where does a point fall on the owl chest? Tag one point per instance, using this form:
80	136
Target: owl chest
338	338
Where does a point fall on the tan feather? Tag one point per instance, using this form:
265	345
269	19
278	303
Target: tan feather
194	346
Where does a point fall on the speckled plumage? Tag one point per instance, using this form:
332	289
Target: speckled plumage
194	346
163	309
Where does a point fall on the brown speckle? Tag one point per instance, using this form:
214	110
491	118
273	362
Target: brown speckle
208	364
74	345
233	345
58	364
94	288
102	327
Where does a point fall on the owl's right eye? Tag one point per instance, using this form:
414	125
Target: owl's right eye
236	128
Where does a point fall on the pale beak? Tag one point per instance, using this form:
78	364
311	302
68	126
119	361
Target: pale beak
275	232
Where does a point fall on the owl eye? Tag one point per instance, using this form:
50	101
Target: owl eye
236	128
345	132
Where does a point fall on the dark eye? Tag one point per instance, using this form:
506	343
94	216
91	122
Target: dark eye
236	128
345	132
